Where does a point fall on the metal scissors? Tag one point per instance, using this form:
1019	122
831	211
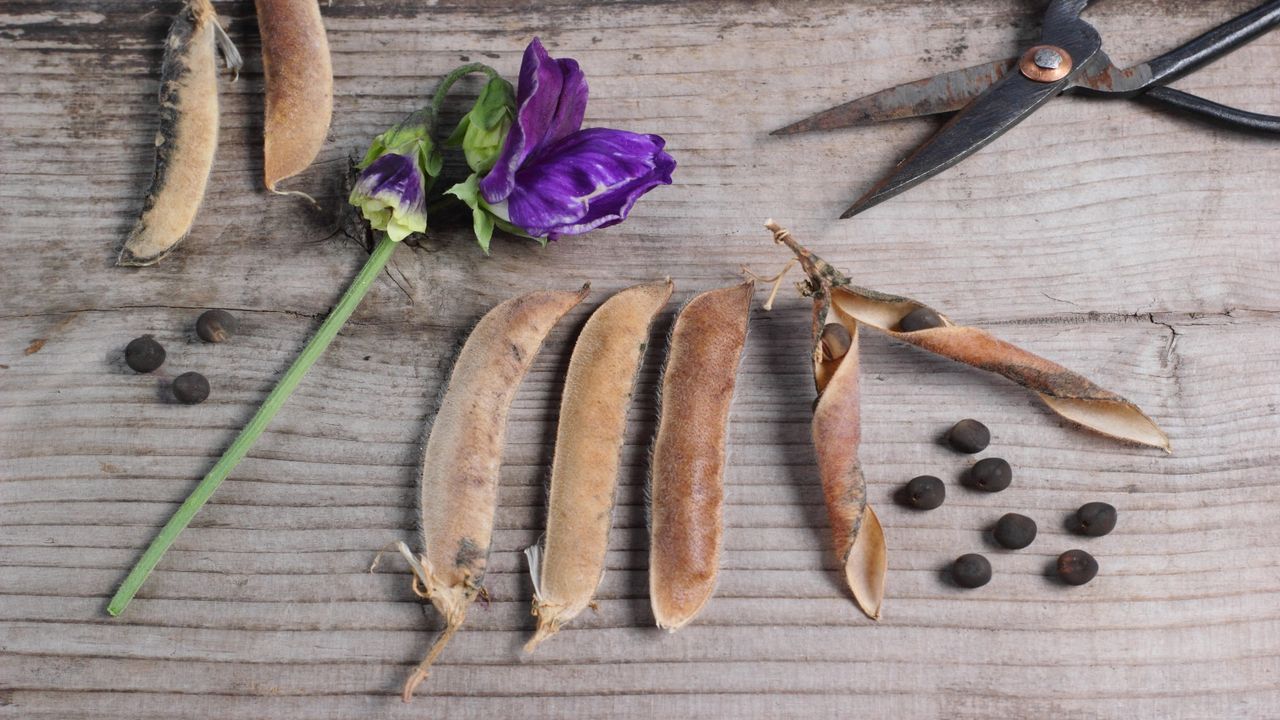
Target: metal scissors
989	99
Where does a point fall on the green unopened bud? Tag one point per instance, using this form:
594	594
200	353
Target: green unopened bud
411	138
483	130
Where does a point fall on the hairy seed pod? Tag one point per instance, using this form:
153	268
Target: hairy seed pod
856	532
299	75
686	489
463	457
188	133
568	567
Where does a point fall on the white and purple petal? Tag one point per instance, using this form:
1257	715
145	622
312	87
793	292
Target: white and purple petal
391	194
587	180
551	100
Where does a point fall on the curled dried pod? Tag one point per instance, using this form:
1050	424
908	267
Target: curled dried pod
837	432
463	457
1069	394
568	565
299	78
686	485
188	134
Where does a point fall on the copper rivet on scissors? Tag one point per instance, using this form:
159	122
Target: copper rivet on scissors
1045	63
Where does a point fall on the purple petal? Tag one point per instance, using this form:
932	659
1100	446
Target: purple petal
587	180
394	178
550	102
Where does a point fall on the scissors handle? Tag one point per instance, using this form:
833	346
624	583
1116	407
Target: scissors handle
1214	44
1213	111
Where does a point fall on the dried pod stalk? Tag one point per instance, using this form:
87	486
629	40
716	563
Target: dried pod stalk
187	136
463	457
568	568
687	484
837	433
1068	394
299	77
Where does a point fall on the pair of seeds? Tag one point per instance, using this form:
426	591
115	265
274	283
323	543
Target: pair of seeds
463	454
299	103
145	354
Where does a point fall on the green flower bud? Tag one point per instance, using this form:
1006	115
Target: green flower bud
483	130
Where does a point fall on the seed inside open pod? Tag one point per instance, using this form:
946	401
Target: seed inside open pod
1068	394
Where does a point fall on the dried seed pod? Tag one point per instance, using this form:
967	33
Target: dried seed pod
1065	392
299	75
686	487
463	457
188	133
568	566
858	536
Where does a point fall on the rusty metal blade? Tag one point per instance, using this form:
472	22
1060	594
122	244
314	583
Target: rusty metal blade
1004	105
943	93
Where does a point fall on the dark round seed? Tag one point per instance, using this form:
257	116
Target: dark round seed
1015	531
191	388
990	474
835	340
971	571
920	319
216	326
1077	567
924	493
969	436
144	354
1094	519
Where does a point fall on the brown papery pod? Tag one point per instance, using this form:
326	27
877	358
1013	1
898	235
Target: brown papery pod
686	484
837	433
299	74
1069	394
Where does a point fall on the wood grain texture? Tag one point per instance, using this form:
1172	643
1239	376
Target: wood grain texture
1132	245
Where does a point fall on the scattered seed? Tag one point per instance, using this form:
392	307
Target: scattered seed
971	571
921	318
191	388
144	354
1077	567
924	493
1015	531
969	436
1094	519
216	326
990	474
835	341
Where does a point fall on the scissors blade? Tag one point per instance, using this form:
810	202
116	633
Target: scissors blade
943	93
986	118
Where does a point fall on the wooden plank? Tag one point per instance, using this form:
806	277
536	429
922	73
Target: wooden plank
1134	246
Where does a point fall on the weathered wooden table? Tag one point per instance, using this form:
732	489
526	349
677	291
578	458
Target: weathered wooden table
1135	246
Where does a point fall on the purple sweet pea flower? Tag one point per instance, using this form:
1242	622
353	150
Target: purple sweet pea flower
557	179
391	194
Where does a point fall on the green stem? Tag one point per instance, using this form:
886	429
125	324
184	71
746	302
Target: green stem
443	89
249	435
